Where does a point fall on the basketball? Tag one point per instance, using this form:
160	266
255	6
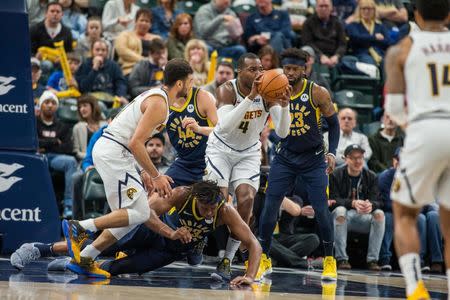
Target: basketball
273	85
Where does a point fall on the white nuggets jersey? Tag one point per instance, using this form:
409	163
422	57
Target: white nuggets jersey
249	129
124	124
427	75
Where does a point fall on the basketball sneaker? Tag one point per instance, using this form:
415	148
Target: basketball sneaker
24	255
223	270
420	293
59	264
265	267
75	235
195	256
88	267
329	268
329	290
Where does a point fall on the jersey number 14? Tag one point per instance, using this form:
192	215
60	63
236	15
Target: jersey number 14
435	82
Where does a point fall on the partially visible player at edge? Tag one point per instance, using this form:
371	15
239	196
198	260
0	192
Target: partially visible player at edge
418	69
118	155
233	153
302	154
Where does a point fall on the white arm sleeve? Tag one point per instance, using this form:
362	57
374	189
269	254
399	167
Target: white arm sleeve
281	119
230	116
395	108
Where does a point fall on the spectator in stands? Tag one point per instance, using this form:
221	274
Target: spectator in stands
133	46
57	82
90	121
269	58
357	208
181	32
196	53
73	18
36	72
100	74
344	9
368	39
311	73
148	73
155	149
347	122
325	34
50	30
268	26
93	33
224	72
55	142
36	11
118	16
86	165
298	11
383	145
164	16
220	28
427	223
392	12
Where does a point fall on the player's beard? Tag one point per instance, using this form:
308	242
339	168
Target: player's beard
295	81
183	93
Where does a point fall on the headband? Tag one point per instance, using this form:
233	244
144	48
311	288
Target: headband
293	61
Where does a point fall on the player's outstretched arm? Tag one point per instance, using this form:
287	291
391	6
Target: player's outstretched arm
322	99
154	110
230	217
281	117
206	103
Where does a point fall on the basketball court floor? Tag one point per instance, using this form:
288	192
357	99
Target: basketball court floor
180	281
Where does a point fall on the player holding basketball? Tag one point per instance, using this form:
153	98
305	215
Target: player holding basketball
418	70
115	157
302	154
233	156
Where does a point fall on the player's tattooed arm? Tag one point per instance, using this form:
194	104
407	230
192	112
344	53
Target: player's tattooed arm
230	217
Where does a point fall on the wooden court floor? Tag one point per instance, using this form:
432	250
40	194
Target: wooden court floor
179	281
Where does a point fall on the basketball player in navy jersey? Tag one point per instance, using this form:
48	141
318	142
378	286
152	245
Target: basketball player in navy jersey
189	124
302	154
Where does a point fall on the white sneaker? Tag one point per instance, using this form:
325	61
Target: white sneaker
24	255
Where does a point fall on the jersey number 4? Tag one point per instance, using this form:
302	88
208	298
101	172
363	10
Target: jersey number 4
435	82
244	126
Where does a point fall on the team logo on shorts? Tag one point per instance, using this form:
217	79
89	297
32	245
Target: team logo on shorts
190	108
304	97
131	192
396	185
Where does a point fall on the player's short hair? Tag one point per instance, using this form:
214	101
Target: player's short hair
207	192
295	53
241	60
433	10
176	69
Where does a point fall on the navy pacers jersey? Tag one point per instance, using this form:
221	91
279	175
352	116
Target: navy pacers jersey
188	217
305	133
188	144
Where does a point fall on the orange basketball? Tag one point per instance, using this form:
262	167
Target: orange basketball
273	85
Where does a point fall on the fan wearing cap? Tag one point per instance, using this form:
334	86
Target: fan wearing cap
357	208
55	142
36	73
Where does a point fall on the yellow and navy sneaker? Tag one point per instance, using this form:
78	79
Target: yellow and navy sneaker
329	290
265	267
420	293
223	271
75	235
88	267
329	268
120	255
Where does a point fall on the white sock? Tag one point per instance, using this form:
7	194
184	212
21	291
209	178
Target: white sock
448	281
410	266
90	251
88	225
232	247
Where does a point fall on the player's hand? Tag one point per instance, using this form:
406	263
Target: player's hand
254	92
242	280
331	163
161	185
190	123
148	183
181	234
286	98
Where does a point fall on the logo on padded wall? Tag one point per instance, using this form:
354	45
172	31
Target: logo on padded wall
5	85
5	88
6	180
131	192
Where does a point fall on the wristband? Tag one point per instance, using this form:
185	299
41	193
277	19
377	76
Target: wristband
331	154
156	177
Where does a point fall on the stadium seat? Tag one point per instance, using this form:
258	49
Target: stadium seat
357	101
370	129
147	3
94	197
189	7
68	112
371	87
243	11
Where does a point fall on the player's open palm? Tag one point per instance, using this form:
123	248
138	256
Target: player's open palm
241	280
161	185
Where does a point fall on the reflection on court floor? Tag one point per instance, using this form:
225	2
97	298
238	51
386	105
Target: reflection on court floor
179	281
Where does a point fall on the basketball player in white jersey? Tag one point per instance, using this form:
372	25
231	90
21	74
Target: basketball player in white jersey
418	69
119	157
233	154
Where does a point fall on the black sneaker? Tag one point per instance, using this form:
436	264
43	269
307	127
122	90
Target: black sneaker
195	256
223	271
